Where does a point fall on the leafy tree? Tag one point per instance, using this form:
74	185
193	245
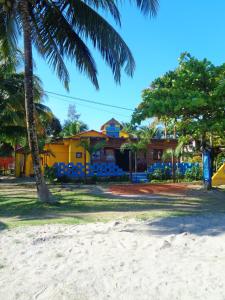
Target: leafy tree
53	128
73	125
72	114
59	29
192	96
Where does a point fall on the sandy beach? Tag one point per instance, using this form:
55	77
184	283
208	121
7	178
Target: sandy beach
173	258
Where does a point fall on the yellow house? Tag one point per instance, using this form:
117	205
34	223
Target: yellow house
70	150
65	150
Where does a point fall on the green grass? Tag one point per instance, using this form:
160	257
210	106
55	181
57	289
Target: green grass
19	207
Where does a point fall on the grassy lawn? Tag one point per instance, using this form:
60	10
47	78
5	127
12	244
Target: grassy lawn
18	206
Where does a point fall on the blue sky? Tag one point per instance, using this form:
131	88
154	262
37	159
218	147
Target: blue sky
196	26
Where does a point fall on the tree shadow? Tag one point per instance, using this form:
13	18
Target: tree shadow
3	226
201	225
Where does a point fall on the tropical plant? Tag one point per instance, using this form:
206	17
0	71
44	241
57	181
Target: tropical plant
189	95
91	149
138	141
12	111
58	30
71	128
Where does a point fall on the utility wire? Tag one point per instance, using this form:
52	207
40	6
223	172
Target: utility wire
89	101
98	109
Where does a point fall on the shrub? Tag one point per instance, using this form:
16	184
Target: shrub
50	173
179	174
194	173
158	174
220	159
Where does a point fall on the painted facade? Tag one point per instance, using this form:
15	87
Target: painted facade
112	136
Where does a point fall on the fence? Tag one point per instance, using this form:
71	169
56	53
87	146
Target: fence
72	170
181	167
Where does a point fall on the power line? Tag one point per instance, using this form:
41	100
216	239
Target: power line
98	109
89	101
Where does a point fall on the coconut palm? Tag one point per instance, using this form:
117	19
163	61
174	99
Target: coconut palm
138	141
91	149
71	128
59	29
12	111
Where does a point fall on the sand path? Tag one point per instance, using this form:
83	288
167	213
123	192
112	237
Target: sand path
174	258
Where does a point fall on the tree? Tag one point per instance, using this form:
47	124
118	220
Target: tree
73	125
12	111
91	149
53	128
138	141
58	30
72	113
193	96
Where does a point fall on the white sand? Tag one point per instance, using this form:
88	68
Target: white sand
178	258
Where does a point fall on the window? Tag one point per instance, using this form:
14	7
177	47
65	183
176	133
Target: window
109	153
157	154
78	154
96	155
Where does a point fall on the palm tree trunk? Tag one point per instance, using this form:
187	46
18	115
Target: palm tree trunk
42	190
130	164
85	166
173	166
135	161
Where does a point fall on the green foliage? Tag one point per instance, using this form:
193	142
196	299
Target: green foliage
85	143
73	125
12	110
50	174
188	96
160	174
220	160
59	29
194	173
71	128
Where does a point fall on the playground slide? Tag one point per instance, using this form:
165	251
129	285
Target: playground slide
219	177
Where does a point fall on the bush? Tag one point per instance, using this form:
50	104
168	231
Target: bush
50	173
220	159
179	174
194	173
158	174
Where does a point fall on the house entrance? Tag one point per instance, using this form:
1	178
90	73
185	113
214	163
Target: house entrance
122	159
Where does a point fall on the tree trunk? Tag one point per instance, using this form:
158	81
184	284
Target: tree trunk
173	166
165	130
130	164
42	190
135	161
85	166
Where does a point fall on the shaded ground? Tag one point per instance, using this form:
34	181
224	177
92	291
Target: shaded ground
79	204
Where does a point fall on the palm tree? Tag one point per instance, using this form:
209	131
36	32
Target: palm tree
138	141
12	111
91	149
73	127
58	30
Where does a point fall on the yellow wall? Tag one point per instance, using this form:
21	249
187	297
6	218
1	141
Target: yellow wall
19	161
24	161
124	134
74	147
61	152
57	153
